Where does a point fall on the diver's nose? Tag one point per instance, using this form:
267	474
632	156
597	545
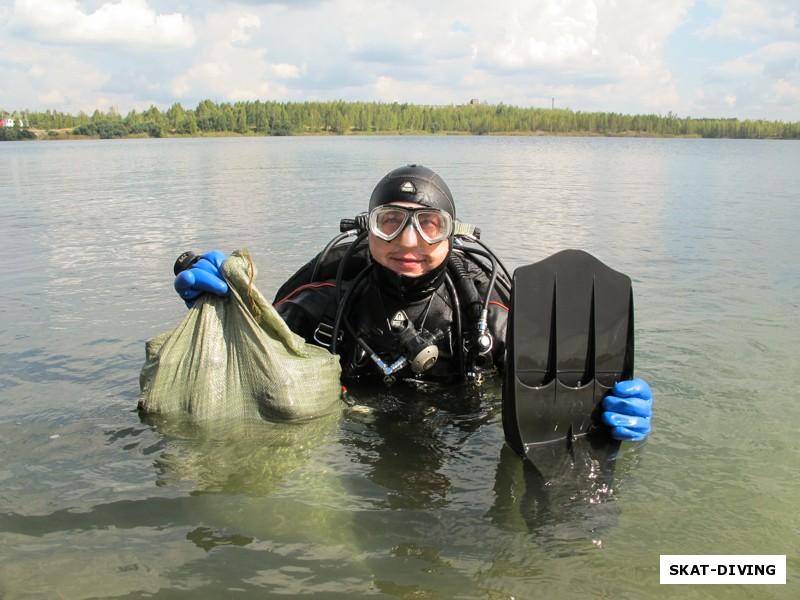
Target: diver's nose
408	237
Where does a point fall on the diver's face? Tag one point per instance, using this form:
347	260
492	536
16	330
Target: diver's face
408	254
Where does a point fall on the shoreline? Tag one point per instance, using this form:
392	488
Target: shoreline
65	134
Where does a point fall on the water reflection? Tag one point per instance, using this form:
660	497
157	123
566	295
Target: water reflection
574	503
405	438
244	456
415	443
413	446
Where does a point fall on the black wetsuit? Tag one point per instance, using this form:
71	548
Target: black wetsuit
445	303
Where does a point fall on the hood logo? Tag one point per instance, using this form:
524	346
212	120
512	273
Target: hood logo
408	187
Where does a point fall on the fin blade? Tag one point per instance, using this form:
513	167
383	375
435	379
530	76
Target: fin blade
569	339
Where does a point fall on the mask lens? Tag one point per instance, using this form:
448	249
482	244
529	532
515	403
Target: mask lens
433	225
387	221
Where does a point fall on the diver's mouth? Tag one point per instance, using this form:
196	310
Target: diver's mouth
406	263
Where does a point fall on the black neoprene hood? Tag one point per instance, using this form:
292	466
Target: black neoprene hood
413	183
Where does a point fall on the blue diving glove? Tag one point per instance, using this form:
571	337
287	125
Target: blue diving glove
627	410
201	276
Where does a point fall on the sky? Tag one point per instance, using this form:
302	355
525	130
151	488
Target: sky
692	58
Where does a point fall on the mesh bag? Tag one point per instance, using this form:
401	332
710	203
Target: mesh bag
235	357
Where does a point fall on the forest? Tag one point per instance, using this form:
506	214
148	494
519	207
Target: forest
349	118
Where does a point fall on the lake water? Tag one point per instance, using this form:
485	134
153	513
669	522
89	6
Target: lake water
400	501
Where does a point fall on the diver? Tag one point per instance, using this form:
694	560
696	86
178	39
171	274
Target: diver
408	293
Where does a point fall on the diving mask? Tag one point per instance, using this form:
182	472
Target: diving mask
388	221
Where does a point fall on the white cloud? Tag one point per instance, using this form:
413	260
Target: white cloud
754	20
61	85
537	33
244	23
765	81
284	71
127	22
420	32
784	91
601	55
506	51
230	67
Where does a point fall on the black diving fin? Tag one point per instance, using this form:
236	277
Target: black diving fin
569	339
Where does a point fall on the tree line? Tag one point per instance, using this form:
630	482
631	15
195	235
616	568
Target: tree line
341	118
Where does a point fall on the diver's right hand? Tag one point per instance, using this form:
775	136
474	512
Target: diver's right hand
202	276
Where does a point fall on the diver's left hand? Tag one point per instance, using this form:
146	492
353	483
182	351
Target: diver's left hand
627	410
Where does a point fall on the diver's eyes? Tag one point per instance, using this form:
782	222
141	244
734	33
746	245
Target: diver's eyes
391	220
431	223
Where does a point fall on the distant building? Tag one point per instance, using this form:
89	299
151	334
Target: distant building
13	120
